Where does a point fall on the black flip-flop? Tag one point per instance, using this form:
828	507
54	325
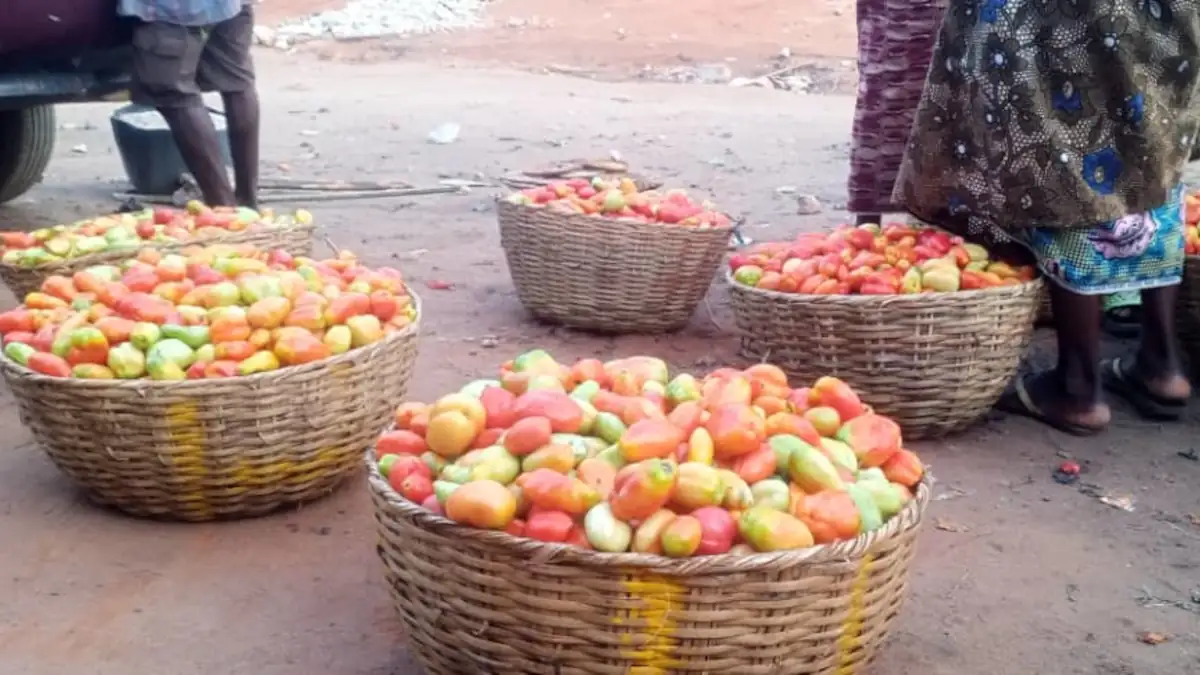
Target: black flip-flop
1017	401
1132	389
1123	322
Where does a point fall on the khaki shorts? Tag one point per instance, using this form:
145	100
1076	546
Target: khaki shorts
173	64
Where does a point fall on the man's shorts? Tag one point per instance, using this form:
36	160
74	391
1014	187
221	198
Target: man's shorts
174	64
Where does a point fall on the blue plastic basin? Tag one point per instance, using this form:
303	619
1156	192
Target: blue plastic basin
148	151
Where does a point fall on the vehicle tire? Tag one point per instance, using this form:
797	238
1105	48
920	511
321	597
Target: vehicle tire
26	144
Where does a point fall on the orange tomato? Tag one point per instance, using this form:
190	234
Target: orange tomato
564	413
598	475
588	369
640	408
794	425
498	403
485	504
552	526
736	430
687	416
405	413
527	435
755	466
650	438
400	442
905	468
643	489
831	515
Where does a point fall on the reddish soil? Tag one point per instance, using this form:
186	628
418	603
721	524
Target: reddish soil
619	37
1015	574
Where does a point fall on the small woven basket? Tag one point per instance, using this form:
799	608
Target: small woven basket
1188	311
295	239
935	362
477	601
199	450
605	275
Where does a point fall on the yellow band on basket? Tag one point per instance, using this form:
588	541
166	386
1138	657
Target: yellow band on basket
852	629
189	461
650	644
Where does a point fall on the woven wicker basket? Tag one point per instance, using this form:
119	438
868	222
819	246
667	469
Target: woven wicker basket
482	602
935	362
295	239
223	448
608	276
1188	311
1045	313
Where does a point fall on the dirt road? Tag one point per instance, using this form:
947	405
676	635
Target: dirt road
1015	574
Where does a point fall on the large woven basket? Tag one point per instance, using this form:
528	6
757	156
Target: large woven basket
200	450
935	362
1188	311
608	276
487	603
295	239
1045	313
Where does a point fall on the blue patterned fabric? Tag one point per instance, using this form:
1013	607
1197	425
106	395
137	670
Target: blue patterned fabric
1143	250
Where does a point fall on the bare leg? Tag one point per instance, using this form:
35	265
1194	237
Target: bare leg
242	111
1077	325
1068	397
1158	362
196	137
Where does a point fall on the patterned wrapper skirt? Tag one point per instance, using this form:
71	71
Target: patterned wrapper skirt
1132	253
895	44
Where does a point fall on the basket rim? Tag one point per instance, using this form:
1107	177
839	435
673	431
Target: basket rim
542	553
733	225
875	300
13	369
100	257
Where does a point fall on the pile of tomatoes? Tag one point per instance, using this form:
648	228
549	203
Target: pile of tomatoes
621	456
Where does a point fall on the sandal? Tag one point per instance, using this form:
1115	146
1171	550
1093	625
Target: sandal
1123	322
1119	381
1018	401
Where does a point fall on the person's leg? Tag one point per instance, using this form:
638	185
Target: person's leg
1158	359
1077	328
227	66
1070	396
165	64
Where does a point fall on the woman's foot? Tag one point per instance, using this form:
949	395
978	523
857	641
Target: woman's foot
1157	391
1041	397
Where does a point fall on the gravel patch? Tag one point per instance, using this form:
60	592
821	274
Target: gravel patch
378	18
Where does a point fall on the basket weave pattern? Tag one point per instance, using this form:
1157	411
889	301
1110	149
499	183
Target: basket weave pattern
935	362
200	450
475	601
295	239
1045	313
1188	311
608	276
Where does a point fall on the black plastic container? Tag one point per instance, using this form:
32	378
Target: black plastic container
148	151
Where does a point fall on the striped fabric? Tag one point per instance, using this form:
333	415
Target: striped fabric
895	45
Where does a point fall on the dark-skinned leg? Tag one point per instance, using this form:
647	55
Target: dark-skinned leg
1077	325
242	111
1070	396
194	133
1158	363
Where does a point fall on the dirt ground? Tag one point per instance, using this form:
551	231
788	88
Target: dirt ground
1015	574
